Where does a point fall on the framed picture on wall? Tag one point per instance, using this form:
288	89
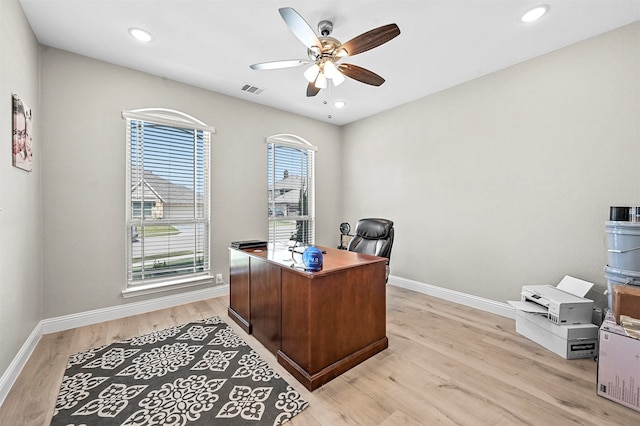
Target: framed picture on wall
22	135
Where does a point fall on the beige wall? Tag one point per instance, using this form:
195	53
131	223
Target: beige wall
84	173
20	225
506	180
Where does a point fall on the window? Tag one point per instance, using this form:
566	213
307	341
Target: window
167	217
291	189
137	212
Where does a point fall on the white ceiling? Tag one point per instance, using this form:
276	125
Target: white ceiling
211	43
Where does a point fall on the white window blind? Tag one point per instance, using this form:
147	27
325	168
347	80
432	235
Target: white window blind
167	223
291	190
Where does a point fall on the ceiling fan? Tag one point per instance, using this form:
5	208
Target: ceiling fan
325	52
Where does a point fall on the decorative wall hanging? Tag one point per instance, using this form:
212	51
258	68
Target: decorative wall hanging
22	135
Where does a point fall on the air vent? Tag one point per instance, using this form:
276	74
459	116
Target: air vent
251	89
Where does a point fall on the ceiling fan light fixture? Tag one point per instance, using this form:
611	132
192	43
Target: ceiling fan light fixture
311	74
535	13
338	79
330	69
321	81
339	104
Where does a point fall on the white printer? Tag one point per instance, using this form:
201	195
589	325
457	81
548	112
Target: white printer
558	318
562	307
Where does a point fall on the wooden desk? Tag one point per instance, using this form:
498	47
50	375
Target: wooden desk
318	324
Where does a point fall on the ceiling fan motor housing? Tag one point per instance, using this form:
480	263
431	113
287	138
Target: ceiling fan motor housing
328	51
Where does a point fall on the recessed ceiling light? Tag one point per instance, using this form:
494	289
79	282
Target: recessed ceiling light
339	104
535	13
140	34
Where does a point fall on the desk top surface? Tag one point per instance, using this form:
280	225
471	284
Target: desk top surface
333	260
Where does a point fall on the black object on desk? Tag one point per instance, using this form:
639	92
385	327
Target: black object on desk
248	244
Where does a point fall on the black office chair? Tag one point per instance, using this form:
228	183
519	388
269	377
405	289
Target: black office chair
373	236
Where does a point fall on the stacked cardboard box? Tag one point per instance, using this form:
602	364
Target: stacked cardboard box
618	364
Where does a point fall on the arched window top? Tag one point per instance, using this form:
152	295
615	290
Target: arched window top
169	117
292	141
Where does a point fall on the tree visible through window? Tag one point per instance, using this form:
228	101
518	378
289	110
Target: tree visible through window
167	197
291	189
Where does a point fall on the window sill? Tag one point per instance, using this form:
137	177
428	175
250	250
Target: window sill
141	290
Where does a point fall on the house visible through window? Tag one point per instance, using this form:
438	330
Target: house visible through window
291	189
167	218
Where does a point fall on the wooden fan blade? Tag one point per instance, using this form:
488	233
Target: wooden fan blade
276	65
363	75
300	28
312	90
370	39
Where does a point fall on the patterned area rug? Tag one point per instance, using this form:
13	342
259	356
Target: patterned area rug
201	373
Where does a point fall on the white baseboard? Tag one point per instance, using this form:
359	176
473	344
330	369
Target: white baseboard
487	305
67	322
11	373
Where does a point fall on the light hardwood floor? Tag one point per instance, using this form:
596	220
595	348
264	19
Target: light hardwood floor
446	364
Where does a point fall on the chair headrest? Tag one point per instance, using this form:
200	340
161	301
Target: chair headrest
374	228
